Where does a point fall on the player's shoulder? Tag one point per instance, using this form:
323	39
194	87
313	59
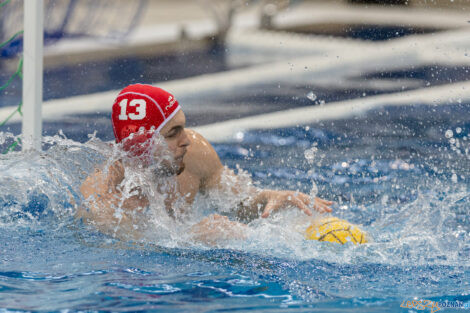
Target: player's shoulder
201	157
194	135
102	179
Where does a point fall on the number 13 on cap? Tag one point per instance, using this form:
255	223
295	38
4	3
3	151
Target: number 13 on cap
140	109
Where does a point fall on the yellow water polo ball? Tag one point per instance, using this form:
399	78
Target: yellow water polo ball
336	230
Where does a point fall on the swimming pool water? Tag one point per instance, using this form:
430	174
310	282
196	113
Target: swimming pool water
362	31
403	172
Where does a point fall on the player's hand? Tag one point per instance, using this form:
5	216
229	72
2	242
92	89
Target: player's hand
322	205
217	228
276	199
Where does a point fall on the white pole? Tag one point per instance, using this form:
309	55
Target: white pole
32	73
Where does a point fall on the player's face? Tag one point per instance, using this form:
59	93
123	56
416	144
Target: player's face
177	141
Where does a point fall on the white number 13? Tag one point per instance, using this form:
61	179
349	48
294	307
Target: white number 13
140	109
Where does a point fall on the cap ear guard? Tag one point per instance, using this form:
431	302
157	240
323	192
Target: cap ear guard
138	143
127	130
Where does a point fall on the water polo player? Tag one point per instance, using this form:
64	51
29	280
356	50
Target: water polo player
139	112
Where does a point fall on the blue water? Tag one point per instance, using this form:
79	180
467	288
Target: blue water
364	31
401	172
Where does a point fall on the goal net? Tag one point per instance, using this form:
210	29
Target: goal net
72	18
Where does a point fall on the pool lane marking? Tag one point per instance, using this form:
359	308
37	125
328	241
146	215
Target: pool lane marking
225	131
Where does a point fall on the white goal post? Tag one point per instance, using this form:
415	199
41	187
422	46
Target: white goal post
33	45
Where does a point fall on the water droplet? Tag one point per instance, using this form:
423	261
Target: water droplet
458	130
454	178
313	191
239	136
311	96
309	154
384	200
449	133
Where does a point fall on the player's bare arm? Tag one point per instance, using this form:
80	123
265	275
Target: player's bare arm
204	159
106	207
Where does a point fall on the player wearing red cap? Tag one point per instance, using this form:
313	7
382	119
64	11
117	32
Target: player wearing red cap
138	112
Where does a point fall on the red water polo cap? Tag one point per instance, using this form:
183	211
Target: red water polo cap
142	108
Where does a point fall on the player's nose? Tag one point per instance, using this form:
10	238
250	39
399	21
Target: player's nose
184	141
